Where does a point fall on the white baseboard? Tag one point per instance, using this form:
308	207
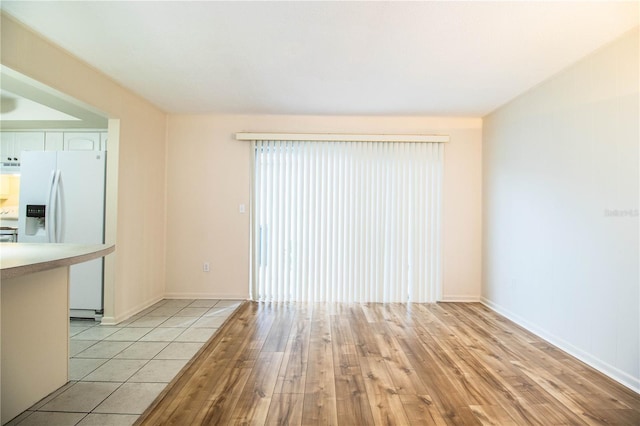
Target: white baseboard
616	374
206	296
131	312
460	298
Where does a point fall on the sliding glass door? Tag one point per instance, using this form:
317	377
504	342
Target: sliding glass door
347	221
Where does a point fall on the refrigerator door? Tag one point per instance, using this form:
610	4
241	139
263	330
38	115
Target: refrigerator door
81	220
36	171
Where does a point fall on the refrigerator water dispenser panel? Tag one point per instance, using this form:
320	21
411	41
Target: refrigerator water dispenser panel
35	219
36	210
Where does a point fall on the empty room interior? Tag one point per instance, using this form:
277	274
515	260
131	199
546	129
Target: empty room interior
345	212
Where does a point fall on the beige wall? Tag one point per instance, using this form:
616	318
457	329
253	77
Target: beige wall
138	264
208	176
555	161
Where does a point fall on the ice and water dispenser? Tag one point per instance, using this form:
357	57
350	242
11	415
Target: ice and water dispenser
35	223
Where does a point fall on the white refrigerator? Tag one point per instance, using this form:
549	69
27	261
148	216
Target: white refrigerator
62	196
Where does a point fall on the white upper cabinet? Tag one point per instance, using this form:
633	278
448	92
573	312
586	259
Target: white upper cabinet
6	147
53	141
13	143
104	138
76	141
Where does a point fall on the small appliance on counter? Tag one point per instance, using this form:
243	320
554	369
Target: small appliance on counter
8	234
9	224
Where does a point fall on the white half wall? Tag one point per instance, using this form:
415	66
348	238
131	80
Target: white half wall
559	163
209	176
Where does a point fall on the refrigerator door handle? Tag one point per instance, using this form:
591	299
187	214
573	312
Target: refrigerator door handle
59	209
55	207
49	212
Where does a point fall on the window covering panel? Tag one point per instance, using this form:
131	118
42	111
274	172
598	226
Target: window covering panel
347	221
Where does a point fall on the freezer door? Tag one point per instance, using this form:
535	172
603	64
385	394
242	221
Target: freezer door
82	183
35	185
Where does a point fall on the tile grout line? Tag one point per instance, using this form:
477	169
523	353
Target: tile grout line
180	356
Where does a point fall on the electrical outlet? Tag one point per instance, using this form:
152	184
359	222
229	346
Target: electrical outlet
205	267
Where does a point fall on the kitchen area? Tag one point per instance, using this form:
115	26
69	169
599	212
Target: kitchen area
10	153
52	190
9	198
53	161
53	166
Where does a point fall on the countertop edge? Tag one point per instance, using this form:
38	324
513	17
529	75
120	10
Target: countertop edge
17	271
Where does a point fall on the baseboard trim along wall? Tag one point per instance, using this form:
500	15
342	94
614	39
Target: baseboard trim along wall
233	296
605	368
465	299
131	312
142	307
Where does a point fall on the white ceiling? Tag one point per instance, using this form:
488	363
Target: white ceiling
386	58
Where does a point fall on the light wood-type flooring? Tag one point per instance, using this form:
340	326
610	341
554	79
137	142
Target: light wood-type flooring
384	364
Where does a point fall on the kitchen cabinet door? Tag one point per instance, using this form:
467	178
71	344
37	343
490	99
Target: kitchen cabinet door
28	141
82	141
13	143
6	147
53	141
104	138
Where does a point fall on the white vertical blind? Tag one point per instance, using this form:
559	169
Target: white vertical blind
347	221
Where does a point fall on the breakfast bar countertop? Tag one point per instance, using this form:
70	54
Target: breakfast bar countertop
17	259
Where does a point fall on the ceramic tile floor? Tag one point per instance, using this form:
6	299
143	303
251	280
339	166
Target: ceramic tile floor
115	372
